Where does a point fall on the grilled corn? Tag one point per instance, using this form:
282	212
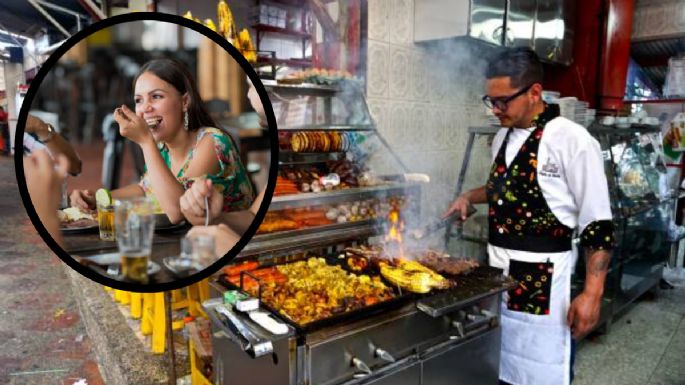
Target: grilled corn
414	281
439	282
413	276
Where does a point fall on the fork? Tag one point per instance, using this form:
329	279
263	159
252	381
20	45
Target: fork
206	211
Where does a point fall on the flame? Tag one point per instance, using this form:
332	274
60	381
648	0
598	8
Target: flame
393	238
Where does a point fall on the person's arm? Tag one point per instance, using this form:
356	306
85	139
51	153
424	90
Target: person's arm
44	182
130	191
587	183
85	199
585	308
193	207
55	143
168	190
463	201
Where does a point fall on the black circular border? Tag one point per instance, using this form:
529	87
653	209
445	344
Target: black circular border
19	152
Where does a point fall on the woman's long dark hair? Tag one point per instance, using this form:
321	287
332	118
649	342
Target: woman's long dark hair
177	74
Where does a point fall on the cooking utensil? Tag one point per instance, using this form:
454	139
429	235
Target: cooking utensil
256	347
206	211
433	227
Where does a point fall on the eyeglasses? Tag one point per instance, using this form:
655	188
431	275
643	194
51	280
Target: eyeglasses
501	102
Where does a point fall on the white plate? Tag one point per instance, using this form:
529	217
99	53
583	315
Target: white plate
179	265
113	261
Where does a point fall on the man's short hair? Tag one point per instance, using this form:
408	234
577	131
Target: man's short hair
521	65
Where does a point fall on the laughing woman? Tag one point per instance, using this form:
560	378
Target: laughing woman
180	143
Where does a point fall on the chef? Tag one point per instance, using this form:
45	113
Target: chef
546	186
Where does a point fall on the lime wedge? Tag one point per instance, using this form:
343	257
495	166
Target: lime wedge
103	197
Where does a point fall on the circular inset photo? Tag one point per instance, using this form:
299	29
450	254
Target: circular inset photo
149	152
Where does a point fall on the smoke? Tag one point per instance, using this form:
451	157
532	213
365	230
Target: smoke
426	124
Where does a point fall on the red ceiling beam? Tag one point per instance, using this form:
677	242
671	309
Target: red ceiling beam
580	78
616	54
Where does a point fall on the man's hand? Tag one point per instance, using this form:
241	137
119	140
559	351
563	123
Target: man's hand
584	311
193	202
460	205
583	314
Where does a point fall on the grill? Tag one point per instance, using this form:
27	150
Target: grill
410	339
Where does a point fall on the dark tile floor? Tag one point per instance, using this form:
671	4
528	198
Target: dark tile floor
646	346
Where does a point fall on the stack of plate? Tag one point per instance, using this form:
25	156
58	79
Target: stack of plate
551	97
580	112
590	116
567	107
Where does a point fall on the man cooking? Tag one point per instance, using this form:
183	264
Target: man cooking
547	180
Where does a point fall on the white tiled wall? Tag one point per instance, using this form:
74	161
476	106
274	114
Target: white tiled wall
423	98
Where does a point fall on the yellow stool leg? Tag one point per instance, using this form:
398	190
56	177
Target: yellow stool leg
148	306
197	293
125	297
179	301
136	305
203	287
158	324
192	294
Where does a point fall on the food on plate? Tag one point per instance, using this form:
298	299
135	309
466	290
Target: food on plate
237	268
314	290
444	264
252	279
74	217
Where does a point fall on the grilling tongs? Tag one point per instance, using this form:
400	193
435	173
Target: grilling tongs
255	347
435	226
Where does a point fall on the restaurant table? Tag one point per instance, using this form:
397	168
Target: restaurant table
165	243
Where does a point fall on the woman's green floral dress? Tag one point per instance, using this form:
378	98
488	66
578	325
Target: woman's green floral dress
232	179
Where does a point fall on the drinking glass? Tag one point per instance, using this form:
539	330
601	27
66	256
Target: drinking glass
106	222
203	252
135	226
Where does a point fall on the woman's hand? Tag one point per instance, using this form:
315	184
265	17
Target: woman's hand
132	126
82	199
224	237
193	202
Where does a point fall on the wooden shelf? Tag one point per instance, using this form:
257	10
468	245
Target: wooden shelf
282	31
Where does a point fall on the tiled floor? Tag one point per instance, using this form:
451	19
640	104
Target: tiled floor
644	347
